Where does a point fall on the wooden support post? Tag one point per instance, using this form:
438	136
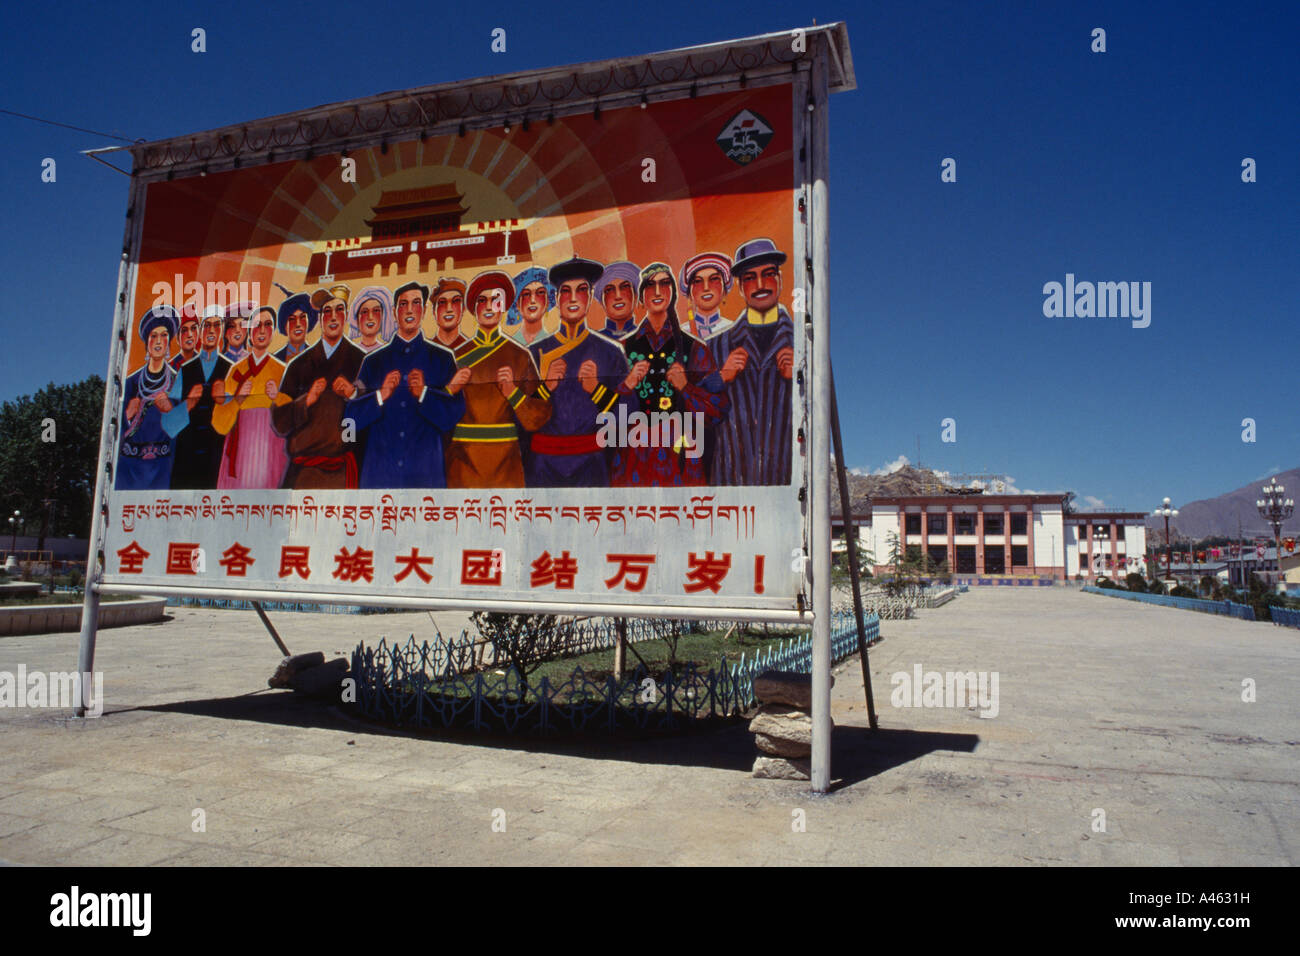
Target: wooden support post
620	649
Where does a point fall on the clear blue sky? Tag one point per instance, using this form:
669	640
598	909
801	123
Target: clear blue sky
1117	166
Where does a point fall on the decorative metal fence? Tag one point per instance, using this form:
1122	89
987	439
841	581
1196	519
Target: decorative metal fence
1287	617
1243	611
423	685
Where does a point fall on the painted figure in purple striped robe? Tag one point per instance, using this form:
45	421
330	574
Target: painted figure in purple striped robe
755	358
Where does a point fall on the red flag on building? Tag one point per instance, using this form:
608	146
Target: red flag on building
1289	544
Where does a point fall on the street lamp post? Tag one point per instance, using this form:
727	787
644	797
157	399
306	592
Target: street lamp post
1166	512
1274	510
14	521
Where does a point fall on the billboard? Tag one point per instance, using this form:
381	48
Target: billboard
536	364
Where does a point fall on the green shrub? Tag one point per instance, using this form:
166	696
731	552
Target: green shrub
1135	582
1182	591
1107	583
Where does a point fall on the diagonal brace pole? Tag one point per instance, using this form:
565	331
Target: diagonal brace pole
851	535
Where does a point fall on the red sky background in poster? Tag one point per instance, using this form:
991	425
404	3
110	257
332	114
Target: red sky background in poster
576	185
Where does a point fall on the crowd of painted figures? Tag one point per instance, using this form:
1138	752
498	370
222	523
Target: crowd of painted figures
374	403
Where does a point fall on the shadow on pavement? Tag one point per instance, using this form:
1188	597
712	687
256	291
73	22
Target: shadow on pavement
857	753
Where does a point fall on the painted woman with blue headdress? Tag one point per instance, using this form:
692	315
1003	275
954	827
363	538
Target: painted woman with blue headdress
372	324
534	297
144	462
296	318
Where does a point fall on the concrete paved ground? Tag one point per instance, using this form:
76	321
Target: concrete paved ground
1103	705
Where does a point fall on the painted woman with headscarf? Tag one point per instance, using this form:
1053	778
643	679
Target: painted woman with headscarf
372	325
534	297
144	462
671	372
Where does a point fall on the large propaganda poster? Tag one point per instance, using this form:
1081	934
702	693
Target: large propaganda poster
548	365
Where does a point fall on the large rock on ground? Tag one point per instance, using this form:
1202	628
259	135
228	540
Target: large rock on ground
324	681
781	748
785	687
294	665
783	722
778	768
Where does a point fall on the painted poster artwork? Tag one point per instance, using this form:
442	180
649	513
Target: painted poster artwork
493	310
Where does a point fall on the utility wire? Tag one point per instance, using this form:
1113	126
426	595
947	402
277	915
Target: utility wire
79	129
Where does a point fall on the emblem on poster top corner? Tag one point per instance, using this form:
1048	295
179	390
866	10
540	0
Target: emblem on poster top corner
744	137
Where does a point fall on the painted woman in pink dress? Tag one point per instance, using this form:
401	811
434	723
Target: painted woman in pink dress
254	455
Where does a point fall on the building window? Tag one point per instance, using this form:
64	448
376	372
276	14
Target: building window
992	524
938	555
965	523
913	524
965	559
938	523
1019	523
1019	554
995	561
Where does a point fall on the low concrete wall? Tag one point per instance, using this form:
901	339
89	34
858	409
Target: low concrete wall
56	618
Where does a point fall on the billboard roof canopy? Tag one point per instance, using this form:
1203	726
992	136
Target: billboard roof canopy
530	96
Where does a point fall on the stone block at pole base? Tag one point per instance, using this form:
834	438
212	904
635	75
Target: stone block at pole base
779	768
785	687
781	748
783	722
325	681
294	665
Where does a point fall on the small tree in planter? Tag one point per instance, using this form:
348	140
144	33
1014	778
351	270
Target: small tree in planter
523	640
1135	582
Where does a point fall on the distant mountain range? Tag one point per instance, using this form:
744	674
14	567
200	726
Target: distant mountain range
1224	514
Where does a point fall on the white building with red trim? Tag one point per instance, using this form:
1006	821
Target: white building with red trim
1005	539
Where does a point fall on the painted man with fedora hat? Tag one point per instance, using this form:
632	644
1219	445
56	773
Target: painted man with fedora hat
147	451
586	368
501	398
755	356
406	402
318	384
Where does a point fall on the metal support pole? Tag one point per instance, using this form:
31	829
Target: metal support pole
821	432
851	537
266	622
108	431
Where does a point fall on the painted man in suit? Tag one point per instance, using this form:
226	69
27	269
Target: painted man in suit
755	355
406	401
